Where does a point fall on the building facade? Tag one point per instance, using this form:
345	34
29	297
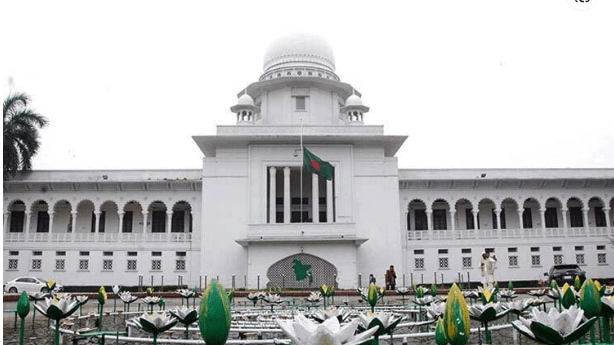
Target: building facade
251	217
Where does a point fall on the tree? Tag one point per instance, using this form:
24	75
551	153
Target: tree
21	138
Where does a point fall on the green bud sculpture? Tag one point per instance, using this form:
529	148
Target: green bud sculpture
456	318
372	296
214	319
590	302
102	299
440	333
23	309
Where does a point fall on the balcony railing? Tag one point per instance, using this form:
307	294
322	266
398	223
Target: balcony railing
417	235
172	237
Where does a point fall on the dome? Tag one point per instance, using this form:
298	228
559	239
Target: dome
299	50
353	100
245	99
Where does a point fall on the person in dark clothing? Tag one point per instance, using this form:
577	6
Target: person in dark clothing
371	278
391	278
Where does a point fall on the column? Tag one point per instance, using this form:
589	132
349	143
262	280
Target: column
287	195
564	215
498	221
412	217
315	201
28	220
120	222
520	210
329	202
272	195
475	219
74	222
144	222
585	218
97	222
542	215
429	222
607	221
51	216
7	216
453	220
169	221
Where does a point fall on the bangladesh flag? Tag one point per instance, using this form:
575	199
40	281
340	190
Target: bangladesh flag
314	165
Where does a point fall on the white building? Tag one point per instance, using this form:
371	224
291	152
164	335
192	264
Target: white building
251	217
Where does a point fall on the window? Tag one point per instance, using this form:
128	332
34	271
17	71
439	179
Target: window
535	249
297	201
502	216
180	265
107	265
580	259
579	247
513	261
84	265
157	221
420	221
60	264
535	260
42	225
527	219
575	217
557	249
489	250
300	103
512	250
467	262
418	251
599	217
443	263
442	251
60	253
439	220
132	253
552	220
17	221
102	221
13	253
419	263
12	264
36	264
131	265
601	247
601	260
156	253
178	221
295	216
156	265
466	250
127	222
37	253
84	253
107	253
180	253
93	222
558	259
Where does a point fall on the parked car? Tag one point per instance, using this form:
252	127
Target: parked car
565	274
29	284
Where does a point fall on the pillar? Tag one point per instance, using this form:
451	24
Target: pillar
51	216
7	216
329	202
120	222
475	213
144	222
315	200
607	221
28	220
169	221
452	220
585	218
498	221
564	215
542	215
429	222
412	217
74	222
97	222
520	210
272	195
287	195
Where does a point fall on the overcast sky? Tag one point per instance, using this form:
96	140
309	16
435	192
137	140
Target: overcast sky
474	84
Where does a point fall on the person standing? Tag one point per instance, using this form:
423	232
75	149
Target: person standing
371	279
391	278
487	268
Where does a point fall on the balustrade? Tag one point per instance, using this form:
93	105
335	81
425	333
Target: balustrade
419	235
97	237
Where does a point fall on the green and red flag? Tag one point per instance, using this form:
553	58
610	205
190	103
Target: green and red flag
315	165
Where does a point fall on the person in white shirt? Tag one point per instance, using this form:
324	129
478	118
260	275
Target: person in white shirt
487	268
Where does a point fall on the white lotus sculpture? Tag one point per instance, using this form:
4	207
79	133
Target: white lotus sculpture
554	327
305	332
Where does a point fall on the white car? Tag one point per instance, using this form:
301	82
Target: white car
29	284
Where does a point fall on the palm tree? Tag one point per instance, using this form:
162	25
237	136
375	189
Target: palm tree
21	139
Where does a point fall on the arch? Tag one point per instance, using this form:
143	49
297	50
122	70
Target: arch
17	215
157	210
553	202
182	216
594	199
461	201
62	203
15	205
62	219
574	201
301	270
416	211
